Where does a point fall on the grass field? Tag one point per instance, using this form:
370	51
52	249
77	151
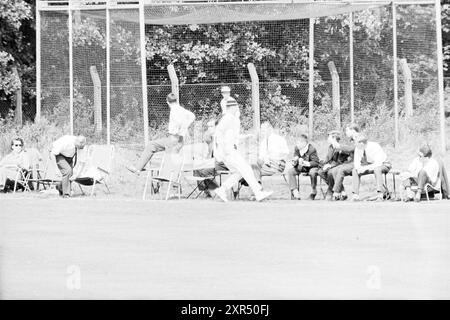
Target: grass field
127	248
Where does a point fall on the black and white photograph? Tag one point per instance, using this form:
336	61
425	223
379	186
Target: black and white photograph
224	150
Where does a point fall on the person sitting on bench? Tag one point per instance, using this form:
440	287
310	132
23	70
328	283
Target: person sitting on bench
369	158
272	152
12	162
307	161
332	164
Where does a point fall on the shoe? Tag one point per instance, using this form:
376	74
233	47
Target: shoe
379	198
252	198
220	192
355	198
296	194
66	196
329	196
263	195
336	196
344	196
132	169
312	196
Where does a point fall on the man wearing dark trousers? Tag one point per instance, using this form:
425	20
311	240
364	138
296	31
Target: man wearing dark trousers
332	164
65	151
305	160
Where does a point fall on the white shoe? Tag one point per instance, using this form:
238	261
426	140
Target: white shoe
296	194
262	195
220	192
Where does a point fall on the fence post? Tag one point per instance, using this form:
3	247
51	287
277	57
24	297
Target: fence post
352	80
71	89
408	87
440	60
18	94
97	99
174	81
394	55
143	71
255	97
311	79
336	99
38	62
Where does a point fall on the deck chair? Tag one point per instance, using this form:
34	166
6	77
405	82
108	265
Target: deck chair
24	176
47	174
435	189
95	168
152	168
170	172
196	157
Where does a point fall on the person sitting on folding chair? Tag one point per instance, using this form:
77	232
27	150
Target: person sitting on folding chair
179	121
333	163
307	161
226	141
423	170
272	152
370	158
208	185
65	151
13	165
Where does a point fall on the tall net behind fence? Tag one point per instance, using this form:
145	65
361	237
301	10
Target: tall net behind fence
54	49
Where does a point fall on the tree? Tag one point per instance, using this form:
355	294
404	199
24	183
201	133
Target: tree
16	50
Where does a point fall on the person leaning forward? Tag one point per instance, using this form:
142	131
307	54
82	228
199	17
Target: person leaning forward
65	151
307	161
179	121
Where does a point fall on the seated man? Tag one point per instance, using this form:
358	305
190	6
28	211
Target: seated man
305	160
332	164
272	152
422	170
369	158
210	184
346	168
11	163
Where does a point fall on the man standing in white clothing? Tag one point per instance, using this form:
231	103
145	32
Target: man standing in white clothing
179	121
226	142
369	158
65	151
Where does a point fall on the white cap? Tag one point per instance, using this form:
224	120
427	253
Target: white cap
225	89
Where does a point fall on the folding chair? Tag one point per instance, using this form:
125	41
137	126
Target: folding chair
170	172
24	176
152	167
436	188
96	168
49	175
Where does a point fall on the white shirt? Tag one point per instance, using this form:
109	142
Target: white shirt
223	105
179	120
374	153
274	147
65	146
431	168
226	136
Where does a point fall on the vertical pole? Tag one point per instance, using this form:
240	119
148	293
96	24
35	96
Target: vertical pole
352	87
108	76
394	45
70	68
143	69
336	94
38	63
440	65
18	94
255	98
311	77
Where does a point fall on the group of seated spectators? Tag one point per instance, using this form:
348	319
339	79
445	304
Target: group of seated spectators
356	157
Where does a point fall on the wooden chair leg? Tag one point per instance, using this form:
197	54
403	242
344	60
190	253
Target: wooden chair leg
146	185
93	188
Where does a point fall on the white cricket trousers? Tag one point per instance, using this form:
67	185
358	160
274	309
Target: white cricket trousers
239	168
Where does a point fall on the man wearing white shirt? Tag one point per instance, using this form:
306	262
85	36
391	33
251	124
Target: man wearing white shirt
65	151
422	170
272	152
226	142
369	158
179	121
